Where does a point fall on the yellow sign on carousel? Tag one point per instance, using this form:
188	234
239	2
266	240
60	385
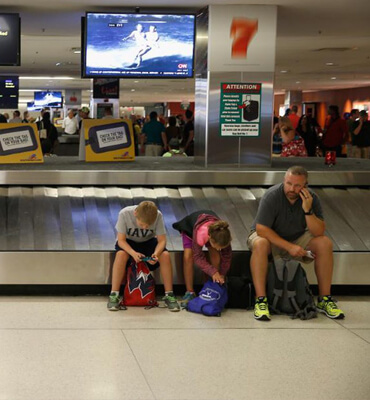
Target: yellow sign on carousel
20	143
109	140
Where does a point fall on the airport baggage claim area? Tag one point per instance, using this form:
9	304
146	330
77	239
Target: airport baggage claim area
58	341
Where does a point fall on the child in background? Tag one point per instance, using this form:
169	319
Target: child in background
141	233
204	228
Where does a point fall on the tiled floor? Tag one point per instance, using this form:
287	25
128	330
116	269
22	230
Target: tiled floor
74	349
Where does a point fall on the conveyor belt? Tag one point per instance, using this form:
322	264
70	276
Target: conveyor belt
83	219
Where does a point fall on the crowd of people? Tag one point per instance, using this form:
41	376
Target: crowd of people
302	136
159	136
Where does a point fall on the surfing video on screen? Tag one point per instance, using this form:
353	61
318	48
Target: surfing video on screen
48	99
133	45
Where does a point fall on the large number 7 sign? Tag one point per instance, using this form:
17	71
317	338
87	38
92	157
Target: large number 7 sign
242	30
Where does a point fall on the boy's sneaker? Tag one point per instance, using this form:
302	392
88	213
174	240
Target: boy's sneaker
261	309
114	302
329	307
187	297
171	302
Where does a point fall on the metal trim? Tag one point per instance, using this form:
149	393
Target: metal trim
214	177
89	268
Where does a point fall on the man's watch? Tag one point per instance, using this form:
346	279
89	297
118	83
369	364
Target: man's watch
309	212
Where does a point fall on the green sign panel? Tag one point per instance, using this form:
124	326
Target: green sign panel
240	110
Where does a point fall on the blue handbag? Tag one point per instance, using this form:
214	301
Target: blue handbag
211	300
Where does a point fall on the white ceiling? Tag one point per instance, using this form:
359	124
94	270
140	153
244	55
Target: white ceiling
50	29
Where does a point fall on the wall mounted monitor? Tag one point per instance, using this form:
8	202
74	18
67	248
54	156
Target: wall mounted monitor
10	43
48	99
31	106
9	91
139	45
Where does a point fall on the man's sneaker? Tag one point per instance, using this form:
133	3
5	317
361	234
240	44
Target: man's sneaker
171	302
113	302
328	306
187	297
261	309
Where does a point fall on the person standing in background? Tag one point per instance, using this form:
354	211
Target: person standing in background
154	137
294	118
335	132
16	117
361	136
187	142
353	117
70	124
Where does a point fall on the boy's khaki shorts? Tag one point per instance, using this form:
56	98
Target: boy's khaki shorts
278	252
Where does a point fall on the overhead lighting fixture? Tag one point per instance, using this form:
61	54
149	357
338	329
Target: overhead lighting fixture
136	81
298	82
132	90
333	77
329	64
283	71
45	78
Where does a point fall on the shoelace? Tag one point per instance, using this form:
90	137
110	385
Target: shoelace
331	305
171	299
188	296
262	306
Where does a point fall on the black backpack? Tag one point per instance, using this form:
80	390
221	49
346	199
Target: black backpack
288	290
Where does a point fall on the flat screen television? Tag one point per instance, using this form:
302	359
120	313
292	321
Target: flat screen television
10	39
48	99
31	106
139	45
9	91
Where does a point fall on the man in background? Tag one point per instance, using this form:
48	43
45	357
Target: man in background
16	117
294	118
153	134
70	124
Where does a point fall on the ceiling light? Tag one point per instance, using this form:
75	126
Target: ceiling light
298	82
333	77
132	90
329	64
45	78
77	51
283	71
136	81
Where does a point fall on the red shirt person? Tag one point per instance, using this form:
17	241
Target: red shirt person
294	119
335	132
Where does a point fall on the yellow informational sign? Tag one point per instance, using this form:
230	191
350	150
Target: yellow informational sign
20	143
109	140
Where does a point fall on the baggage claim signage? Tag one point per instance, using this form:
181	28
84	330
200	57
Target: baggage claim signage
20	143
240	109
108	140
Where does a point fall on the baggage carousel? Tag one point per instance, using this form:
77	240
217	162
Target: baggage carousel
57	219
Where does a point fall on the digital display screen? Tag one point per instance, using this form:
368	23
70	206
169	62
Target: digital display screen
48	99
139	45
10	39
31	106
9	91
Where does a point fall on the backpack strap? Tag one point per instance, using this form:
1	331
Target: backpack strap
279	266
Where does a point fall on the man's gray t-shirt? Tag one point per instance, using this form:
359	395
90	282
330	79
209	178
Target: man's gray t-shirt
127	225
287	220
